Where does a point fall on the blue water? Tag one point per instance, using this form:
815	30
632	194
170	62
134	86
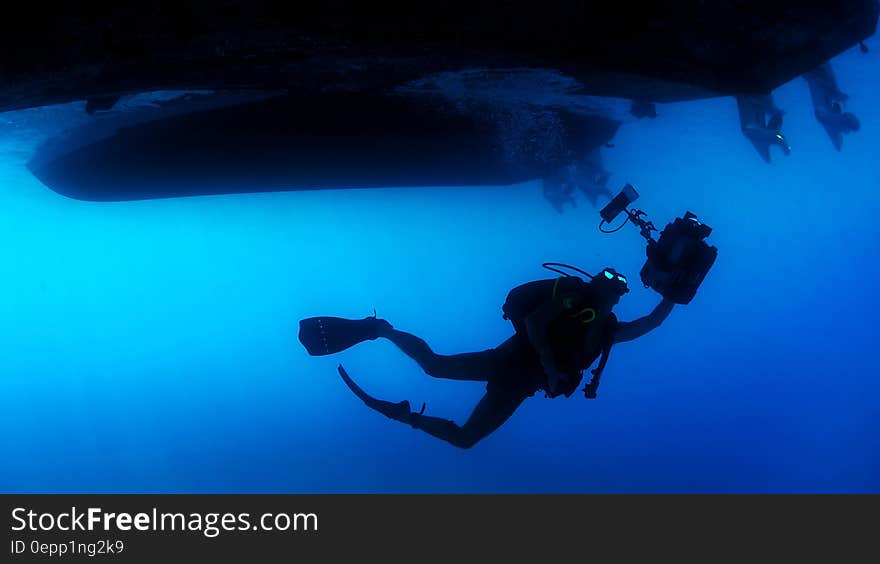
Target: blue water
151	346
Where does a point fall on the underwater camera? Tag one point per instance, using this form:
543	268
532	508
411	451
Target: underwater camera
678	261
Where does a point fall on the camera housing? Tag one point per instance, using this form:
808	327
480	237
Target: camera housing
678	262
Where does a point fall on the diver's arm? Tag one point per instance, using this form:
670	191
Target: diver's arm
627	331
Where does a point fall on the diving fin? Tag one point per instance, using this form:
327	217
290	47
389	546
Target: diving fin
399	411
327	335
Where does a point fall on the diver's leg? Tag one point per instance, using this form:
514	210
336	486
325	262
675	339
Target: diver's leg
491	412
476	366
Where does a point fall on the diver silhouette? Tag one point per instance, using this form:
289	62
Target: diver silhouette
561	327
587	175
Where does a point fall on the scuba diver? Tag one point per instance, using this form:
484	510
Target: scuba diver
828	103
562	326
761	121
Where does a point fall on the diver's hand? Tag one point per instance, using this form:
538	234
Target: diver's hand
555	378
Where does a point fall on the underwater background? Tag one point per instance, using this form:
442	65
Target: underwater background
151	346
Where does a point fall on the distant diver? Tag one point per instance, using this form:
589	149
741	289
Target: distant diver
761	122
561	327
828	101
591	177
586	175
558	189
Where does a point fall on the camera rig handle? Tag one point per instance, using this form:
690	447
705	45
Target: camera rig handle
645	227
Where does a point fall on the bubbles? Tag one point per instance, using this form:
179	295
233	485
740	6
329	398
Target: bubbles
523	106
539	88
